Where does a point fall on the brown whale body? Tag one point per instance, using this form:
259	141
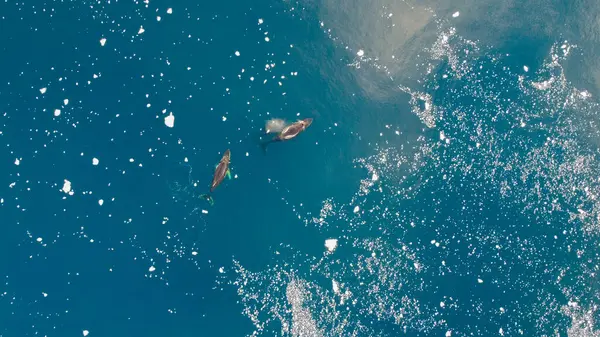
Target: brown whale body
294	129
221	170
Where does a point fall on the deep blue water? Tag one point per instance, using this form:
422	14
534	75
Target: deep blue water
90	270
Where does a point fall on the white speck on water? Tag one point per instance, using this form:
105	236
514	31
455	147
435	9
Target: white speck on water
448	333
526	68
131	160
260	21
442	304
142	30
56	112
501	332
360	53
66	101
66	186
204	211
221	270
100	202
17	162
267	38
479	280
43	90
247	154
390	15
194	253
151	269
170	120
45	294
237	53
331	244
170	11
442	135
356	209
456	14
39	240
85	333
95	161
102	41
224	118
374	177
158	18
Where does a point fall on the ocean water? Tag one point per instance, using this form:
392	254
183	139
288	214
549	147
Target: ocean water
447	186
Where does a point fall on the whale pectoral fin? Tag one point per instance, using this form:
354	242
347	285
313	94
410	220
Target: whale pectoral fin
228	174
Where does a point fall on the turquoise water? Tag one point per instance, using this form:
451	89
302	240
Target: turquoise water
459	176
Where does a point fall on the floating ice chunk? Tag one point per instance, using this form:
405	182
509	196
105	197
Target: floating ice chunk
151	269
170	11
39	239
456	14
100	202
260	21
142	30
267	38
442	304
331	244
204	211
449	333
360	53
56	112
17	162
67	186
237	53
170	120
85	333
224	118
479	280
158	18
374	177
194	253
43	90
95	161
45	294
526	68
66	101
356	209
336	286
221	270
102	41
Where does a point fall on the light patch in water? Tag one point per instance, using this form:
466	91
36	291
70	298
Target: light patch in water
275	125
102	41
